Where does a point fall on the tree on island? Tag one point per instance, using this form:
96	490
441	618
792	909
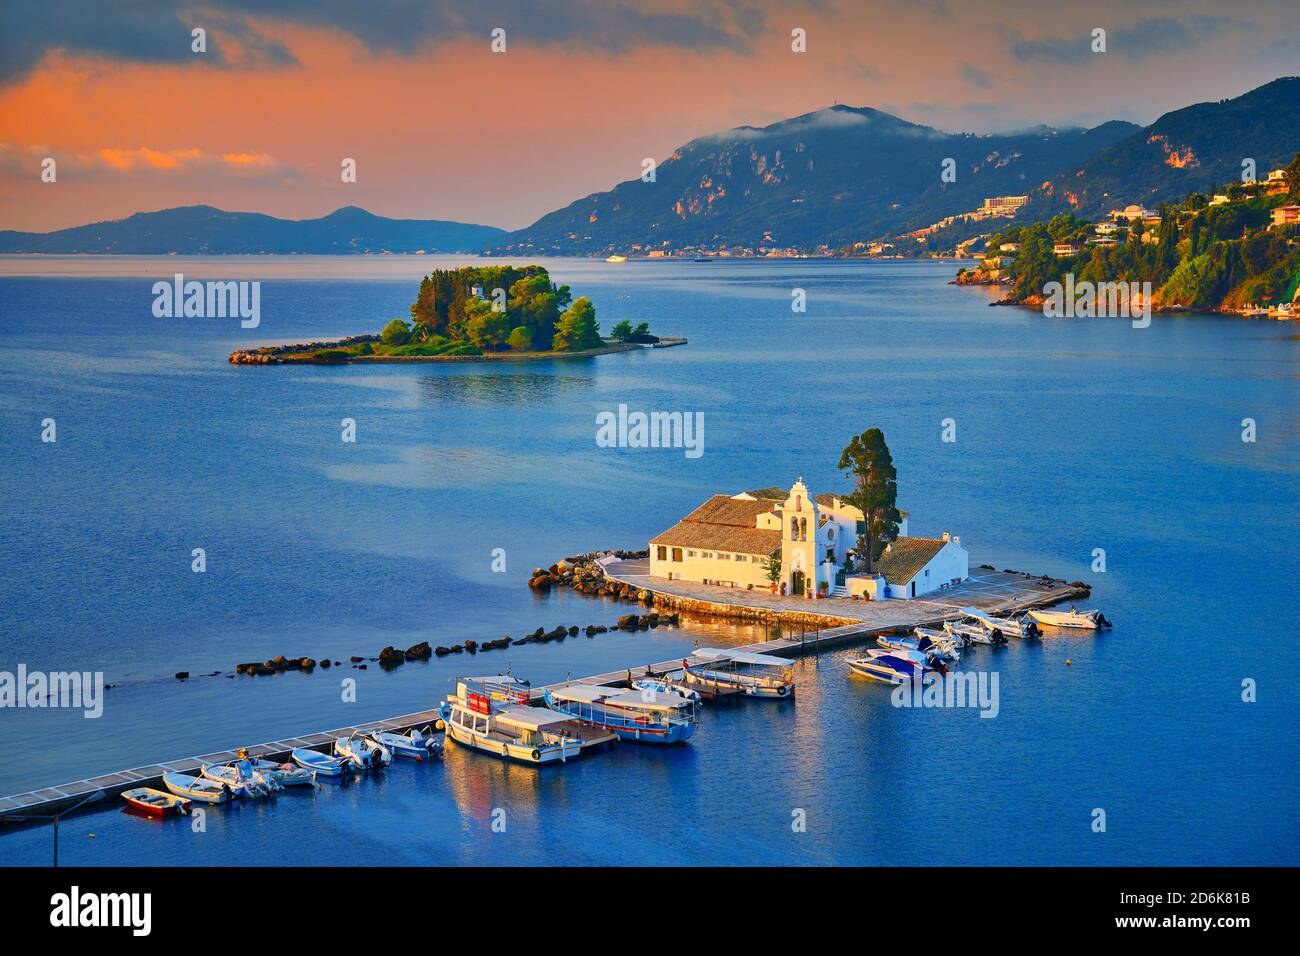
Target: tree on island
577	330
868	462
625	332
621	332
395	332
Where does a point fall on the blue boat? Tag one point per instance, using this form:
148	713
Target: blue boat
643	715
320	763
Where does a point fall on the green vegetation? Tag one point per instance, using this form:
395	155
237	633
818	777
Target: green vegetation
1222	256
870	465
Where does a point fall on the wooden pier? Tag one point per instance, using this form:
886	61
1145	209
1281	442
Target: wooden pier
1000	592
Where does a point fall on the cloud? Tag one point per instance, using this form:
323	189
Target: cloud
974	76
19	161
1146	38
158	31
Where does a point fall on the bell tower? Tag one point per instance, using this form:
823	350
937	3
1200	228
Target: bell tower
799	517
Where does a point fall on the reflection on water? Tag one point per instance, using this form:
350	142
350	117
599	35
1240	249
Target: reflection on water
523	387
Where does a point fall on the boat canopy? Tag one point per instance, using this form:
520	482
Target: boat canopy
717	655
584	693
529	718
977	613
649	700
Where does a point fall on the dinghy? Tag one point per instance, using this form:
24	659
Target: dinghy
1007	626
155	803
241	778
198	789
714	672
641	715
1089	620
363	752
413	744
492	714
320	763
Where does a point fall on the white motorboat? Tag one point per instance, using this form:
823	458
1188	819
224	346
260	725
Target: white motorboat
974	632
364	753
663	685
713	672
198	789
414	744
285	774
1007	626
493	714
1090	620
891	667
942	647
318	763
241	778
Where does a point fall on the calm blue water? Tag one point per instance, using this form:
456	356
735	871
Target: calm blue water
1073	434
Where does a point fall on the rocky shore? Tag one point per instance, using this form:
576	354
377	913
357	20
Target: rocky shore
305	353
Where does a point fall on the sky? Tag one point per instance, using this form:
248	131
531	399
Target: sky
442	126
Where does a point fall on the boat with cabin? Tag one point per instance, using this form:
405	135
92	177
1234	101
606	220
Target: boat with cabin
715	672
494	715
643	715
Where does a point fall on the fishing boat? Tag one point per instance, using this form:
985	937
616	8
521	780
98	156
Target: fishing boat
665	684
241	778
198	789
1008	626
492	714
717	672
285	774
362	752
642	715
891	667
974	632
1091	620
155	803
414	744
320	763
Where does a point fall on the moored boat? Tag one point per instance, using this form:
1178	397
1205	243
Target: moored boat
890	667
974	632
643	715
198	789
241	778
285	774
1090	620
319	763
1023	626
666	684
493	715
362	752
414	744
714	672
155	803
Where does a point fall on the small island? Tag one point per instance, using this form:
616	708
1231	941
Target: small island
476	314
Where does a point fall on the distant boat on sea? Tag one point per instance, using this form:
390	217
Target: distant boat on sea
616	259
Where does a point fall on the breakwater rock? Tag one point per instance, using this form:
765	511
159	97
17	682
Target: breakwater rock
272	354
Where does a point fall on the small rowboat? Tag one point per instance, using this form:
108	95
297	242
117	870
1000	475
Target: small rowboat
320	763
154	802
197	788
1089	620
363	752
413	744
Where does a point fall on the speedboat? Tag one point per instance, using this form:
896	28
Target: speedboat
363	752
974	632
665	684
1090	620
285	774
890	667
714	672
413	744
942	648
198	789
643	715
493	714
241	778
155	803
320	763
1007	626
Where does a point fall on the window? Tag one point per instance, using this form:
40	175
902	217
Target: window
723	556
677	554
742	557
692	554
662	553
706	554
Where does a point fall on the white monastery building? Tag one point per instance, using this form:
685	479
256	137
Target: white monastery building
727	541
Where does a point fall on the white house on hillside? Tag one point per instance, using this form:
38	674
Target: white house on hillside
728	539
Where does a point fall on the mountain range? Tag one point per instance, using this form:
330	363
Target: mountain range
827	178
200	230
847	174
